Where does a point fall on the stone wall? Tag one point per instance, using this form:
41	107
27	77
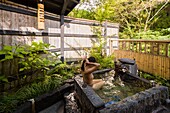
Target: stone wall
143	102
89	101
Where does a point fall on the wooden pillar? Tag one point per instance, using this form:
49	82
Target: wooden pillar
66	2
105	37
62	37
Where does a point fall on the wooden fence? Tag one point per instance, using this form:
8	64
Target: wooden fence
18	25
151	56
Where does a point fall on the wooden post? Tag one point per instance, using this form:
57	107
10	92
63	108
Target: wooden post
110	47
66	2
166	49
62	37
105	37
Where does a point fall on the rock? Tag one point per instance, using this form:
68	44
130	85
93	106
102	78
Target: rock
71	105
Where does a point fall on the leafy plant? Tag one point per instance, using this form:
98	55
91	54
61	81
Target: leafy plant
12	54
3	79
30	57
163	34
54	70
99	52
156	78
66	71
10	102
34	59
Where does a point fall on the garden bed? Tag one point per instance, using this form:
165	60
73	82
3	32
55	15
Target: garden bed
46	100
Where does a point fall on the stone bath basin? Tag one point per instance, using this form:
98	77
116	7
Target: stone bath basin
147	101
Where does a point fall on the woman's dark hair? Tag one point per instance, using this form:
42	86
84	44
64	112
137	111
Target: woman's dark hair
90	59
82	66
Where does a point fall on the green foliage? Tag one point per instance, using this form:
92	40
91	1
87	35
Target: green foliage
163	34
103	11
3	79
133	17
12	51
31	57
99	52
10	102
158	79
34	59
105	61
100	12
163	20
36	89
81	14
147	76
63	69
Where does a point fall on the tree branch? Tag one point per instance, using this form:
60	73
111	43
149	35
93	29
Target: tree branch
159	10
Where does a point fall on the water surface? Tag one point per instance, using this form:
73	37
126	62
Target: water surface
116	90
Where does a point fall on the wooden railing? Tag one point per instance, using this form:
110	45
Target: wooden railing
152	56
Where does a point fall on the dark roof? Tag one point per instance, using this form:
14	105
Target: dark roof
52	6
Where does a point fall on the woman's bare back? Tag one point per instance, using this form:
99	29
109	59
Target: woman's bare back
88	78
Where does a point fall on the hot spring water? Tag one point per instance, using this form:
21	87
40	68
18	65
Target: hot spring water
116	90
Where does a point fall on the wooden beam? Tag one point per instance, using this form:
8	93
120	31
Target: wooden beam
56	5
139	40
64	7
51	3
75	1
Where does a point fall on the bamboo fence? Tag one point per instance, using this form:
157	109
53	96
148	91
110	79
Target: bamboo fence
152	56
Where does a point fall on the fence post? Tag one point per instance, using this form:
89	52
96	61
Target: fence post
105	37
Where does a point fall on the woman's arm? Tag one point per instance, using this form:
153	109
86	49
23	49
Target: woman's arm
93	68
93	63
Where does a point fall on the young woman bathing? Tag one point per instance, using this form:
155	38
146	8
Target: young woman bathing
88	67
